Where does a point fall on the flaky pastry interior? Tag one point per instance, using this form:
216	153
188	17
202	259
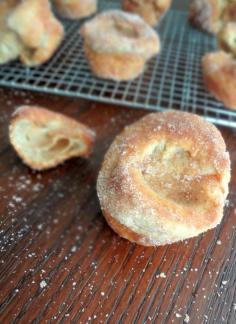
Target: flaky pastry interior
44	139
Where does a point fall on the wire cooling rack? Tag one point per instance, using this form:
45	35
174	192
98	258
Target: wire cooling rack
173	79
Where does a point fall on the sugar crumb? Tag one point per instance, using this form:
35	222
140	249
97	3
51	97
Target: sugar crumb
73	249
186	318
43	284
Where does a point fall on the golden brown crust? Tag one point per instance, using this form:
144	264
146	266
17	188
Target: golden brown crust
164	178
117	44
127	233
114	66
219	73
150	10
227	38
44	139
40	45
74	9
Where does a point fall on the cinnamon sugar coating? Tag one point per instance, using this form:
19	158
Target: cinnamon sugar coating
164	179
219	74
118	44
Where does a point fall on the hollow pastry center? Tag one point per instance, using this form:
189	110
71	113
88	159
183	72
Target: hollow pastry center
45	142
174	174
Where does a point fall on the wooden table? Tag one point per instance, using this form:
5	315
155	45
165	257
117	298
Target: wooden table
60	262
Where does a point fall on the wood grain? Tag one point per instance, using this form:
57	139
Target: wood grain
53	235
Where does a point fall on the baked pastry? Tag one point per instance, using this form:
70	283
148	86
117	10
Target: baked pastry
164	179
219	73
39	45
210	15
150	10
74	9
118	44
10	44
229	13
227	38
43	139
206	14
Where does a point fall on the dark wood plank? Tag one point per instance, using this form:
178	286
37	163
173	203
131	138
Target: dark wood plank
53	234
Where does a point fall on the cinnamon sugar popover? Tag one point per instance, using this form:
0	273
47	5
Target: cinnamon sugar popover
150	10
118	44
39	32
74	9
206	14
219	73
210	15
164	179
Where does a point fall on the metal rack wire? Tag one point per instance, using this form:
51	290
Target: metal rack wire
171	80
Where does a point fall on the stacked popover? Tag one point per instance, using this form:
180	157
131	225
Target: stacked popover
18	40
